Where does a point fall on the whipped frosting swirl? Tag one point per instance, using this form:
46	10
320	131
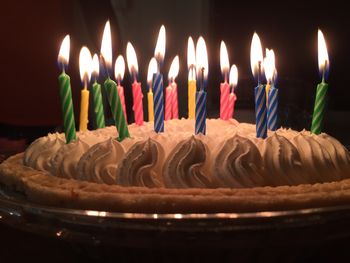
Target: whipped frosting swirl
99	163
142	165
185	165
39	154
238	164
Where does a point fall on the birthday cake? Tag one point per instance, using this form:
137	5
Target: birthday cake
227	170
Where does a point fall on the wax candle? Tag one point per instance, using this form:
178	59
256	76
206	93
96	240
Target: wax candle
201	94
256	59
224	87
111	86
66	92
168	101
272	92
152	69
173	72
159	53
119	70
174	104
158	102
85	66
136	86
322	88
116	108
233	84
191	62
96	94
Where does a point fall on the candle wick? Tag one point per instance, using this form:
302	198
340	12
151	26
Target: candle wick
324	71
202	77
259	71
118	80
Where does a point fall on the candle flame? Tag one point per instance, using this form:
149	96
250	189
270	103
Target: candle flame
224	61
85	66
106	46
152	69
256	55
63	54
191	54
323	61
174	69
119	68
132	60
202	59
159	51
233	76
269	65
95	66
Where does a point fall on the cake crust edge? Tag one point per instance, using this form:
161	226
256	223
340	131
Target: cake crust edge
42	188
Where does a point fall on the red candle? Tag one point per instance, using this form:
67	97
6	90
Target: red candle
119	70
175	108
224	87
136	86
168	102
122	99
138	106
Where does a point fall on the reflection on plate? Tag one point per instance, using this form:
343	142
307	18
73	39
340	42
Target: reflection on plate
130	229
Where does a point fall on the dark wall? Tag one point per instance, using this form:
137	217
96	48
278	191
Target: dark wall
31	35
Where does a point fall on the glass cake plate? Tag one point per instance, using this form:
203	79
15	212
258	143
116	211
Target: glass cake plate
175	230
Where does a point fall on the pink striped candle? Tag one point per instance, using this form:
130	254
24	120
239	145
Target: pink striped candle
224	87
174	104
122	99
224	101
232	100
137	107
168	102
136	86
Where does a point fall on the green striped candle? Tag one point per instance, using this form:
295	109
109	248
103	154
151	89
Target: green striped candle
319	108
66	91
322	88
116	108
98	105
67	107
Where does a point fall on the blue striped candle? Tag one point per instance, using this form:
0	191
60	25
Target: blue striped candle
272	106
260	111
201	112
158	102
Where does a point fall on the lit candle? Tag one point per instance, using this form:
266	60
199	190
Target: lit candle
97	96
85	74
233	84
322	88
152	69
111	86
119	70
173	72
191	64
136	86
171	104
256	59
159	53
272	99
66	92
201	94
224	87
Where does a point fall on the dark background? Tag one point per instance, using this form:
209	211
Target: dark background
32	32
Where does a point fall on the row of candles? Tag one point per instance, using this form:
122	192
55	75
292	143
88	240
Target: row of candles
266	96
